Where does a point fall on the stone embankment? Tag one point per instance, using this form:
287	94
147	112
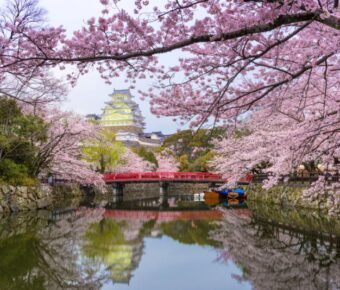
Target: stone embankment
327	202
23	198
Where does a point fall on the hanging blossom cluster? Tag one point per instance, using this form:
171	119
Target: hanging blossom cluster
225	41
167	162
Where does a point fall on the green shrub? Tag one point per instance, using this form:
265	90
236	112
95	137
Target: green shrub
16	174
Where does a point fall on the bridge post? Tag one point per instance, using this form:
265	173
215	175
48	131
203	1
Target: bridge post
163	188
212	185
118	189
116	199
163	202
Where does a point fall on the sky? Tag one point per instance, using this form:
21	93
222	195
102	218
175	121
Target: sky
91	92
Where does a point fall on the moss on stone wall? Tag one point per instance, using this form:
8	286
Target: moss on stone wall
291	196
276	195
23	198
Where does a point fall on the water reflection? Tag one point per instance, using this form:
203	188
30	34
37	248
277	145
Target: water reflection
284	250
164	244
37	254
115	245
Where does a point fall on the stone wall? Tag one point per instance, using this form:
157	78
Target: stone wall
293	196
276	195
67	190
23	198
175	188
148	190
188	188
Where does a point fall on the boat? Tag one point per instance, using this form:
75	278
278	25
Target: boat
232	193
234	203
211	195
212	198
199	196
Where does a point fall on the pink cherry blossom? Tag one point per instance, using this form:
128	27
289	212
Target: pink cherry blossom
131	162
167	162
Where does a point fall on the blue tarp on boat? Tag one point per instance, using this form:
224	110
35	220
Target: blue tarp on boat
231	192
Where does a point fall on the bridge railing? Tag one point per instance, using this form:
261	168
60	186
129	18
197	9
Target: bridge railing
161	176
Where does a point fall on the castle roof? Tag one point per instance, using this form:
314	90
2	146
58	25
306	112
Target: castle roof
124	91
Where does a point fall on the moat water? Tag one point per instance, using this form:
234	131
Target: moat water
169	243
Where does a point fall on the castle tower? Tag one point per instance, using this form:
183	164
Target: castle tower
122	113
123	116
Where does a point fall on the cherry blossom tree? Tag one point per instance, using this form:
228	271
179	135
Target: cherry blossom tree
61	153
275	58
34	85
279	141
166	162
283	143
131	162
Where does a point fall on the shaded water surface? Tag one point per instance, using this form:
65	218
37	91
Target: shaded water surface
169	243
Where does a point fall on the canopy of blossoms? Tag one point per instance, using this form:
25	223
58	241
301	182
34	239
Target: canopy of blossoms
275	58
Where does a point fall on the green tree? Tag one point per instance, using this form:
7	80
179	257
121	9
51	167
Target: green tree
193	148
19	136
104	151
147	155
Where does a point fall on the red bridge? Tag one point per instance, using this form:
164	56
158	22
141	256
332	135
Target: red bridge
118	180
163	176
